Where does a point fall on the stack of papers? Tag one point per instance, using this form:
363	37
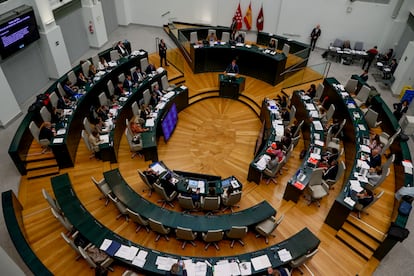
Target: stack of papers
112	63
319	143
197	269
169	95
57	140
349	201
245	268
224	267
408	166
127	252
61	131
351	105
110	247
365	148
317	125
284	255
149	122
140	259
183	87
356	186
315	156
261	164
310	106
165	263
235	184
261	262
67	112
361	127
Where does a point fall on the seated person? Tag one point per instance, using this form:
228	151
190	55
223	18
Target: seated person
227	192
374	175
94	141
365	197
285	114
150	68
375	142
128	83
211	37
286	139
280	271
311	92
122	50
272	44
102	65
119	89
292	129
274	150
334	126
273	163
103	113
240	38
329	156
232	67
158	91
92	71
81	80
151	175
145	112
283	102
323	115
400	109
135	124
64	102
393	66
375	158
154	100
331	171
364	75
47	131
196	197
70	89
166	183
138	76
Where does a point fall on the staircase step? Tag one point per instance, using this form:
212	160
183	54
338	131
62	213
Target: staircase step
41	164
354	244
205	95
360	235
356	222
42	172
38	156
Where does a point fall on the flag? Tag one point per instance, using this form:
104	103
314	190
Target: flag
248	17
238	17
260	20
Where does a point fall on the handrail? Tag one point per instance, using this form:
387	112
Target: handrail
291	69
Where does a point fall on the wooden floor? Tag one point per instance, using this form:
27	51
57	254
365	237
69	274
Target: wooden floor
213	136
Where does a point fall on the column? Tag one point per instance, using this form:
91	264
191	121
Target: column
122	12
9	108
51	43
94	22
404	72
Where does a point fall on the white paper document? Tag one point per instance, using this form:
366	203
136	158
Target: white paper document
317	125
245	268
149	122
105	244
365	148
310	106
261	262
349	201
319	143
104	138
127	252
165	263
57	140
61	131
284	255
158	168
261	164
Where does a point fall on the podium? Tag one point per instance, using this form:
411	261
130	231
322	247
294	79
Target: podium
230	86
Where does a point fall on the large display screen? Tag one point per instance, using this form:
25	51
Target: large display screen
169	122
18	29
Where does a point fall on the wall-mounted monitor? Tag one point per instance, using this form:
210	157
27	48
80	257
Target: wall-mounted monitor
18	29
169	121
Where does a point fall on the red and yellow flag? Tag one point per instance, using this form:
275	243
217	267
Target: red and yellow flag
248	17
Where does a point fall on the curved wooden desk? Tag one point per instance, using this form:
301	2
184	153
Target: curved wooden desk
197	223
298	245
354	131
311	132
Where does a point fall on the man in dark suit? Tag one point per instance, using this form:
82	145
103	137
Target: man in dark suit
150	68
162	50
122	50
138	76
331	171
128	83
400	109
232	68
315	34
